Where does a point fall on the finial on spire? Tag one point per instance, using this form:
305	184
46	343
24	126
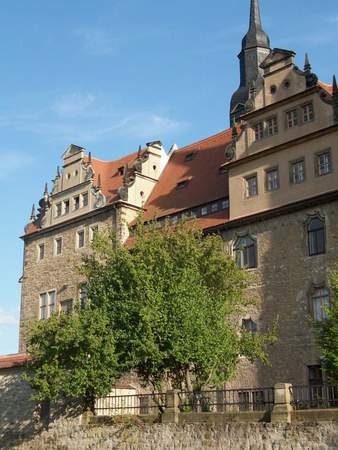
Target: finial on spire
33	214
46	193
99	185
89	157
255	16
139	151
307	65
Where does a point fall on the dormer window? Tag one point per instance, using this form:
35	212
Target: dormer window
308	114
120	171
182	184
190	156
259	131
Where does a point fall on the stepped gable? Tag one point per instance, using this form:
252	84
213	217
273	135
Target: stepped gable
204	183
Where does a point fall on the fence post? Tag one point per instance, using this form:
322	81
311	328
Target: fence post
282	408
171	412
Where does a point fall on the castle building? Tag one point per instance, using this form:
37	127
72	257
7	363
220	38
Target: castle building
268	185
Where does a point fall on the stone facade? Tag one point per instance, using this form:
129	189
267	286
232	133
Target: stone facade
282	286
56	272
138	436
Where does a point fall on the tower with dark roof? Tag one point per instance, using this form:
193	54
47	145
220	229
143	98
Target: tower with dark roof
255	48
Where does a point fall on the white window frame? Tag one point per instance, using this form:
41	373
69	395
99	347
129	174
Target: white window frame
272	126
50	306
292	118
294	176
248	192
275	181
258	129
78	232
328	164
308	113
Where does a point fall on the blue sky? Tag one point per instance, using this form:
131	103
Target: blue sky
112	74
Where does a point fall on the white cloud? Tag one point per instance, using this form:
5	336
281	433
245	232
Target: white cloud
7	318
98	42
74	104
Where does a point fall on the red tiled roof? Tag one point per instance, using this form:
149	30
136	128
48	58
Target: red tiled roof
326	87
204	181
111	180
18	359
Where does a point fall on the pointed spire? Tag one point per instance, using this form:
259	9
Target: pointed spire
139	151
334	86
255	16
307	65
99	185
33	214
90	157
46	193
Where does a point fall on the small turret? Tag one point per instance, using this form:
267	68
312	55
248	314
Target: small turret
33	214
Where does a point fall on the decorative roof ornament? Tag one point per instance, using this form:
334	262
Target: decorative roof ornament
335	98
139	152
311	78
99	184
255	37
89	157
33	214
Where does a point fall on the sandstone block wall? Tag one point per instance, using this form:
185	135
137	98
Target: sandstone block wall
282	285
133	436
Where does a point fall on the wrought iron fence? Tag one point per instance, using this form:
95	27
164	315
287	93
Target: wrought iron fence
122	405
314	397
232	400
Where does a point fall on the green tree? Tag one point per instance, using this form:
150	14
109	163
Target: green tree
73	357
328	334
174	301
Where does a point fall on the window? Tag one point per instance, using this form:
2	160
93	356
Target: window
323	163
272	126
316	236
66	207
93	232
41	251
85	199
225	204
204	211
58	246
67	306
259	131
58	209
182	184
214	207
272	179
47	304
249	325
308	115
251	186
80	239
320	301
297	172
190	156
315	375
76	202
292	118
245	252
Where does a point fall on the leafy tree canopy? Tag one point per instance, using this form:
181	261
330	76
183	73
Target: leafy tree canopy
73	357
328	334
174	302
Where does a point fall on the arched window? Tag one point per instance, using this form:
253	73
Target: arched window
245	251
316	236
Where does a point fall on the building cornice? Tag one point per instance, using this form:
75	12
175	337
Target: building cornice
284	101
311	202
287	144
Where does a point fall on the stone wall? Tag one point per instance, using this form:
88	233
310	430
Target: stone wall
282	285
57	273
139	436
17	411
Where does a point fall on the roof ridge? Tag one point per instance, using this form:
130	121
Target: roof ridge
227	130
113	160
